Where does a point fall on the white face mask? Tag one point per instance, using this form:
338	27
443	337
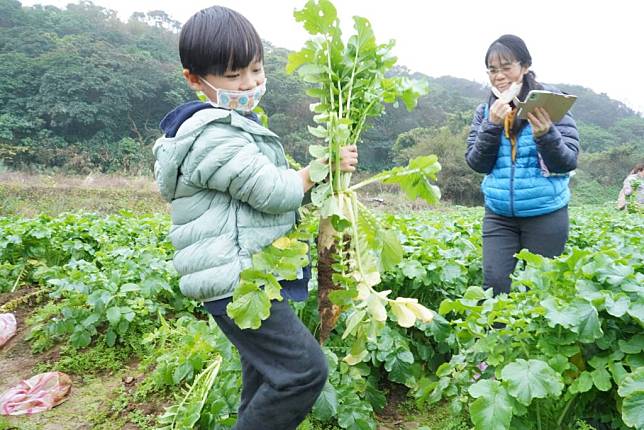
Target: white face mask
244	101
508	95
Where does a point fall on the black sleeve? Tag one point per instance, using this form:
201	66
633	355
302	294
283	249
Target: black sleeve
559	147
482	143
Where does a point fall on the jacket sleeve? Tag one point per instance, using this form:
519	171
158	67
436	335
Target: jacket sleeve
236	166
559	147
482	143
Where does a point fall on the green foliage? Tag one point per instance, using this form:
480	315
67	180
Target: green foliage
87	86
568	332
612	166
44	195
414	179
111	277
568	340
185	414
346	396
632	390
458	183
184	349
100	358
587	191
492	408
532	379
259	284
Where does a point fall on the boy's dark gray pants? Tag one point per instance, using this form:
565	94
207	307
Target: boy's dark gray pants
505	236
283	370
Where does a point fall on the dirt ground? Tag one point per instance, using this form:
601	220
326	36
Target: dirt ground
87	396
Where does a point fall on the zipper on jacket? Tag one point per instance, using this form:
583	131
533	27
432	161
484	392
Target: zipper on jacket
514	143
512	189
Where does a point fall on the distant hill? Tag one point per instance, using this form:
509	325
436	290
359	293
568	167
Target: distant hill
597	109
82	91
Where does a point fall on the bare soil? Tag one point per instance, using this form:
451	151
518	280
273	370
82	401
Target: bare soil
87	396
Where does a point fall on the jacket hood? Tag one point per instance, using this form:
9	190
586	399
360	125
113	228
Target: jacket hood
182	126
175	118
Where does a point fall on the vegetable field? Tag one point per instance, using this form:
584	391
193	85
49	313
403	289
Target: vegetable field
563	350
396	300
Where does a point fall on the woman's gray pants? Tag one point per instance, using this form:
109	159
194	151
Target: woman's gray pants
505	236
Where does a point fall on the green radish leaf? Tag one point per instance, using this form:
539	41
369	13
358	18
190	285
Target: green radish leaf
318	17
617	304
601	379
414	179
80	338
579	316
326	406
113	315
492	409
353	321
582	384
318	171
250	306
632	391
527	380
318	151
632	346
321	193
392	251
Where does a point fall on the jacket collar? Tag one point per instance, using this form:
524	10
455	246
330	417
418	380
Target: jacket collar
201	117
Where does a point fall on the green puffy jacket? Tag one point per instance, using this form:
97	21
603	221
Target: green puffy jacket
232	194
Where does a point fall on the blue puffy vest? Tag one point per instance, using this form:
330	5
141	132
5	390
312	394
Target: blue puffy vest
520	189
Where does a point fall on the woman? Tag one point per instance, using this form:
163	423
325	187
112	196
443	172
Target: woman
527	165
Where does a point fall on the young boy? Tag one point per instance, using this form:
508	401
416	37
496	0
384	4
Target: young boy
232	194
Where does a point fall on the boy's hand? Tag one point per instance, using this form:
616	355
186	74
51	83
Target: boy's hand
348	163
349	158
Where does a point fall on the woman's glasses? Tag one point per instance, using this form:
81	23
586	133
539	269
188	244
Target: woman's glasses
505	69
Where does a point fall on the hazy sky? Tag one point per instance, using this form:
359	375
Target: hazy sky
597	44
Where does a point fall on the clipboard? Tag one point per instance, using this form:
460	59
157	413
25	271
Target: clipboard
556	104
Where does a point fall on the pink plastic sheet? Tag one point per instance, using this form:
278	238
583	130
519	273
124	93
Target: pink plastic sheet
7	327
37	394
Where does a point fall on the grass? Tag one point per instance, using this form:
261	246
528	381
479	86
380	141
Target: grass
433	417
99	358
5	424
30	195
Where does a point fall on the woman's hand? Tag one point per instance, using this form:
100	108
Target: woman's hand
349	158
499	111
540	121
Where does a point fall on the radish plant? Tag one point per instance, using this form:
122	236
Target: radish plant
351	84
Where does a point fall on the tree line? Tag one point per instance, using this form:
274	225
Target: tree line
81	91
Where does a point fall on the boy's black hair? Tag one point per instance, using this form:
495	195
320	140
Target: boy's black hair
217	39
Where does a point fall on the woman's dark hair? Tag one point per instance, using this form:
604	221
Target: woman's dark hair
217	39
638	168
511	48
